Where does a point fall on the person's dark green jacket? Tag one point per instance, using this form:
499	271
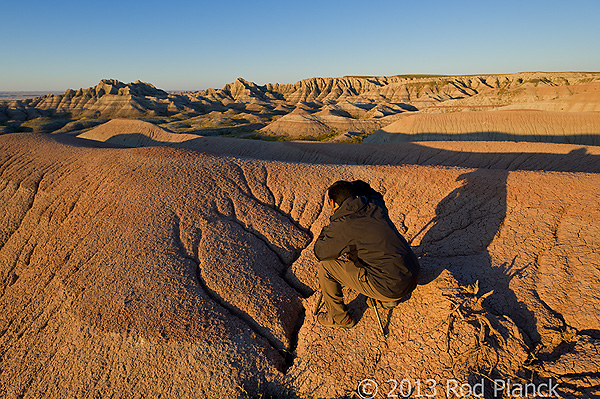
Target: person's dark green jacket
361	228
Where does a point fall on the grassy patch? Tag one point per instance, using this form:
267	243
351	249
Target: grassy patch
273	137
324	137
359	137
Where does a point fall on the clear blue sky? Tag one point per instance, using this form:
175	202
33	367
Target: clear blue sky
180	44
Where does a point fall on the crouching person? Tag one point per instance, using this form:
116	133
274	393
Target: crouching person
361	249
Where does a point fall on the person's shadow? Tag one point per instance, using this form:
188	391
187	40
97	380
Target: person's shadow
467	220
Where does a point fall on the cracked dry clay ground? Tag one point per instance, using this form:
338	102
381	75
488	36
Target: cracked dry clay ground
173	272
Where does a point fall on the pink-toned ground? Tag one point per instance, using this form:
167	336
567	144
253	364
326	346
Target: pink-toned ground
188	272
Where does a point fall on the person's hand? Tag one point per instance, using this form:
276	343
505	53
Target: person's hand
333	205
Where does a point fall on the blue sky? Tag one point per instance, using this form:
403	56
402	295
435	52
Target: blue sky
194	45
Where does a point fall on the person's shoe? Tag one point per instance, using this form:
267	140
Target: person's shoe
385	305
326	321
389	305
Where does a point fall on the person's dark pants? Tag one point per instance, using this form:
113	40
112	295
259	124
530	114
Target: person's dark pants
335	273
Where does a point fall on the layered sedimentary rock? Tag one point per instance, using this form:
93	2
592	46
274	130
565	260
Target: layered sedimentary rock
314	108
109	98
83	108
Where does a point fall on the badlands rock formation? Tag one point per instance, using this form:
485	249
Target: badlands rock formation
347	108
180	272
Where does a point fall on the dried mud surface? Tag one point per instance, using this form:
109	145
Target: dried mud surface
179	272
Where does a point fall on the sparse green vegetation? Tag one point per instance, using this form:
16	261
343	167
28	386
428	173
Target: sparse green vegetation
322	137
45	124
272	137
360	137
417	76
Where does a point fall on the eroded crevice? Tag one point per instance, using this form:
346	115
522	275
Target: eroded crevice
266	183
249	194
590	332
286	353
28	205
231	214
52	211
289	356
277	251
287	263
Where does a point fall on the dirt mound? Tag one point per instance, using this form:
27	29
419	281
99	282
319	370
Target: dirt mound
322	123
134	133
176	272
298	124
542	126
